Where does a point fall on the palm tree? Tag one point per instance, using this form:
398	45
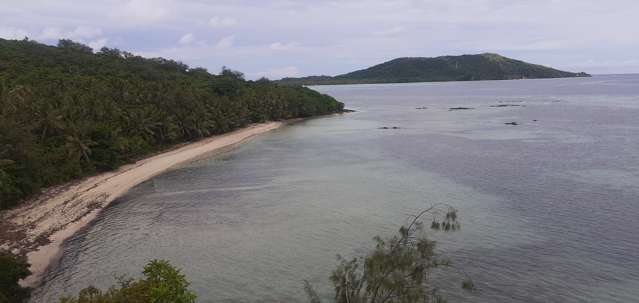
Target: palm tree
77	144
141	121
49	120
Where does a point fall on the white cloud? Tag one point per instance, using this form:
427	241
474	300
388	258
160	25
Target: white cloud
79	33
98	44
222	22
13	33
282	46
333	37
50	33
187	39
84	32
142	11
393	31
225	43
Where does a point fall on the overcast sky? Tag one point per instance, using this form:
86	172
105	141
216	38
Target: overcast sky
277	38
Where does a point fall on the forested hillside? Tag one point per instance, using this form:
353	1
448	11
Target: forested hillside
446	68
66	112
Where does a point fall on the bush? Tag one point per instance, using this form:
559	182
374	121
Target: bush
12	269
162	283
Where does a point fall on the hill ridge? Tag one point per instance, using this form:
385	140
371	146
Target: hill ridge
468	67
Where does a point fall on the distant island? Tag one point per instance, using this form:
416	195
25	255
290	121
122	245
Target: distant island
486	66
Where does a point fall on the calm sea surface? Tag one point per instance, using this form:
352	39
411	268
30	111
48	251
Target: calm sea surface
549	207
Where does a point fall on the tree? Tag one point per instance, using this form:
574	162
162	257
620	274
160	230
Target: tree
78	147
66	112
49	120
398	269
75	46
12	269
166	284
162	283
199	71
113	52
227	72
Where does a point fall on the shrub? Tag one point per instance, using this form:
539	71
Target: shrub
162	283
12	269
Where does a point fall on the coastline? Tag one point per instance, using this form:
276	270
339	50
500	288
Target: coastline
39	227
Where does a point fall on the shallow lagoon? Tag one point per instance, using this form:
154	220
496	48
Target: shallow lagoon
549	208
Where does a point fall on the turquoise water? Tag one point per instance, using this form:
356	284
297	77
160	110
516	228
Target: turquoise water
549	207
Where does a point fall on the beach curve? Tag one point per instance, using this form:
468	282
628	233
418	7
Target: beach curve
38	228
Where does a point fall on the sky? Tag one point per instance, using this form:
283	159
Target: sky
280	38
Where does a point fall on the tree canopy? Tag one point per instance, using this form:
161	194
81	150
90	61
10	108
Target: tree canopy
162	283
66	112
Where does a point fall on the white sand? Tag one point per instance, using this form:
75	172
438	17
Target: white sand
58	216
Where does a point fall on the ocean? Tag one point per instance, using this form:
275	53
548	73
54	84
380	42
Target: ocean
549	204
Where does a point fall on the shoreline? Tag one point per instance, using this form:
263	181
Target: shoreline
39	227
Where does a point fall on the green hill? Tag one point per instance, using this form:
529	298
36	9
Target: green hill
446	68
66	112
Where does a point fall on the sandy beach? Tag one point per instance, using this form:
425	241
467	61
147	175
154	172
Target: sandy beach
38	228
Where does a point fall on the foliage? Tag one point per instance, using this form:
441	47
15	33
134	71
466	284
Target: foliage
66	112
12	269
398	269
74	46
162	283
446	68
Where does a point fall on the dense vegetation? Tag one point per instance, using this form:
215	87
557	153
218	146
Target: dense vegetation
162	283
446	68
398	270
66	112
12	269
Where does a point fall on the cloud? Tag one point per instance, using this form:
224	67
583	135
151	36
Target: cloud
278	73
393	31
13	33
332	37
79	33
98	44
187	39
222	22
50	33
634	62
225	43
282	46
85	32
142	11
